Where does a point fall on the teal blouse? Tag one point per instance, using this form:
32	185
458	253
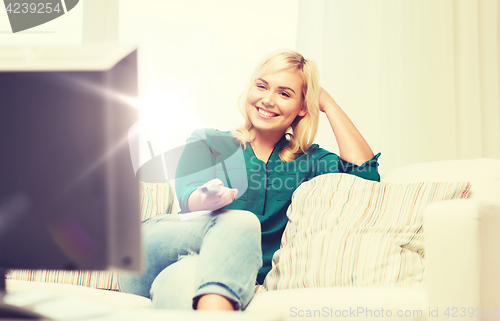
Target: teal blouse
265	189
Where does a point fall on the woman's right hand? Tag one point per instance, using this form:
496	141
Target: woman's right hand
201	201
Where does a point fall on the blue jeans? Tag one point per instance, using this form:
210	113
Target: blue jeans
218	253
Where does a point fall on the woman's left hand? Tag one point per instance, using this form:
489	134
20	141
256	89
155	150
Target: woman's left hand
325	100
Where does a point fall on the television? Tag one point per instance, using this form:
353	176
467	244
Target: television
69	197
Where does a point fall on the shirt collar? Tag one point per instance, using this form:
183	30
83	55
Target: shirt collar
277	149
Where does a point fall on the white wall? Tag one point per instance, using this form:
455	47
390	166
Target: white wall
420	79
196	56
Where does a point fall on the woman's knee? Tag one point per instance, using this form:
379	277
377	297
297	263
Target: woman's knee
174	287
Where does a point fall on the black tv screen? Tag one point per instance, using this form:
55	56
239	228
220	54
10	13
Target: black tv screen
69	198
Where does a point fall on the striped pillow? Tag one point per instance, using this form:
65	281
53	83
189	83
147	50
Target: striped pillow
347	231
155	199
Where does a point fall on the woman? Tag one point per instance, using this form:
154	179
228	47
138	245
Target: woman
213	261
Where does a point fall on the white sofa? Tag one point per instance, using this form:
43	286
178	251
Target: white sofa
462	261
462	258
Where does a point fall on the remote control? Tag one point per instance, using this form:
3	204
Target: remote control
210	189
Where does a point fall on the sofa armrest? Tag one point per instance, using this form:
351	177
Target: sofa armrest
462	256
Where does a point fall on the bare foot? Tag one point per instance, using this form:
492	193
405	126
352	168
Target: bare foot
214	302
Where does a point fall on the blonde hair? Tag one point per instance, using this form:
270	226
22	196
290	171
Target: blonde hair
303	128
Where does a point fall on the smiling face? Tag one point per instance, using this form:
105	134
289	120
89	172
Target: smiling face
274	101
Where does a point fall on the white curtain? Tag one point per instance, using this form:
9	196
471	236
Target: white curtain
419	78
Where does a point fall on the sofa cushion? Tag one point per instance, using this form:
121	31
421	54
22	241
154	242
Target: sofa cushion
154	199
347	231
334	303
116	300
